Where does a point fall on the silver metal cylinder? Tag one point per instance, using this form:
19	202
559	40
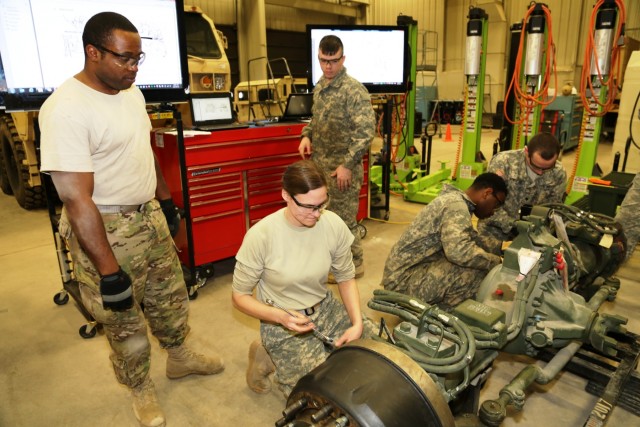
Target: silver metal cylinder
603	43
533	59
473	54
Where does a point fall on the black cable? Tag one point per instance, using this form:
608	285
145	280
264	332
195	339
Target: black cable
599	222
633	114
401	124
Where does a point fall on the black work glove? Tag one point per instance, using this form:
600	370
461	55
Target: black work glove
172	214
116	291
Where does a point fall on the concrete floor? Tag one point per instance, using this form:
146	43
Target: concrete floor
50	376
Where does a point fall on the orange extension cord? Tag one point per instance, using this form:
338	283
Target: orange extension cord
454	172
610	83
526	101
574	169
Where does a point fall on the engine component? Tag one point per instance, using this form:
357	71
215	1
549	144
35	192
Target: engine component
541	310
438	360
352	388
592	240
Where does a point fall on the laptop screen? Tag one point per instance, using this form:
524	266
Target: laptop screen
299	105
211	108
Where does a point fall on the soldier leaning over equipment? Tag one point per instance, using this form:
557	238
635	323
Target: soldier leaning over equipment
629	217
534	176
439	258
341	131
95	143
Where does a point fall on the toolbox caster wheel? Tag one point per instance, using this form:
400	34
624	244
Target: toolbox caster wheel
61	298
202	274
88	331
362	230
200	282
206	270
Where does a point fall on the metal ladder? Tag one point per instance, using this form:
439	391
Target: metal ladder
428	62
273	96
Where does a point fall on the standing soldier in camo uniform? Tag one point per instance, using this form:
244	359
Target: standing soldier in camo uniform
439	258
629	215
534	176
117	208
340	132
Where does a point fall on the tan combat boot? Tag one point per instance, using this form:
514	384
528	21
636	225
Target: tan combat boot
260	366
146	406
182	362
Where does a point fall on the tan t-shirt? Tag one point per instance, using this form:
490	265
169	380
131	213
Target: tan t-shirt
290	264
84	130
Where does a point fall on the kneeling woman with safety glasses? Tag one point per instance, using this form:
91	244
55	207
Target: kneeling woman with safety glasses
286	257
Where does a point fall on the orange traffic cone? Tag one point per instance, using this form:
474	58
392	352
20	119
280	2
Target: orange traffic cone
447	135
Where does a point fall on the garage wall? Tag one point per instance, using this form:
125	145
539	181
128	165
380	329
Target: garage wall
285	33
444	21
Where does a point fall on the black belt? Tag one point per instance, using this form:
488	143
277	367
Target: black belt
311	310
120	209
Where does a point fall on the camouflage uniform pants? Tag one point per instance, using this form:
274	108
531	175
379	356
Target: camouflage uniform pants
628	215
345	205
442	283
144	249
295	355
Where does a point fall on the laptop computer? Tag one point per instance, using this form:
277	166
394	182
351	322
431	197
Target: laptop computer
213	111
298	107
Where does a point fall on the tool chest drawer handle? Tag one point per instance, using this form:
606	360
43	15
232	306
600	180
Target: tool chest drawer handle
217	216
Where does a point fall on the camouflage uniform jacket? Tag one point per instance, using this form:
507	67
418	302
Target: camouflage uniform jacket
442	229
629	217
343	123
547	188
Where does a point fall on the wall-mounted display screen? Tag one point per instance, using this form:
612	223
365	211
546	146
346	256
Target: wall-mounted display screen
377	56
41	46
3	86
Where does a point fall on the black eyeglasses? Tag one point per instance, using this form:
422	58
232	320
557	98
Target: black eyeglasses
312	208
500	202
324	61
536	167
124	60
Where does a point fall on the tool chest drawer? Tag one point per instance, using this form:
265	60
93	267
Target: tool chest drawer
215	237
215	194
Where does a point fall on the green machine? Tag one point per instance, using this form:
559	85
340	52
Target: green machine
405	150
472	163
426	186
410	101
598	82
529	84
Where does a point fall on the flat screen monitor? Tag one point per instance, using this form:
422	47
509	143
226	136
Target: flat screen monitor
3	86
376	55
41	46
211	108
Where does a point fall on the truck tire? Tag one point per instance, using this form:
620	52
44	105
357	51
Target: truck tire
17	173
4	179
